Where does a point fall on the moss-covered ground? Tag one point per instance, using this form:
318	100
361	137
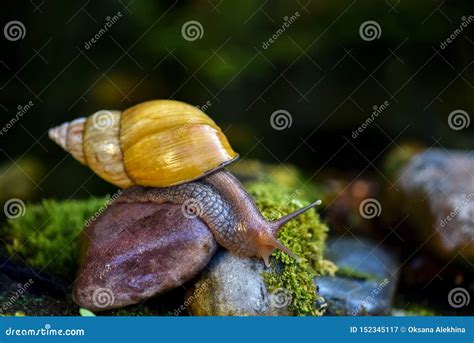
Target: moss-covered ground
46	238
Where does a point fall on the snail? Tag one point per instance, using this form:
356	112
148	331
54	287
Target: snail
166	151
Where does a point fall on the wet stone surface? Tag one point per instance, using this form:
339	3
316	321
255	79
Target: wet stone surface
366	279
233	286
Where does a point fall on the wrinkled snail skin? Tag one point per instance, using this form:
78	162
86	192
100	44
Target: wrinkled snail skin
198	199
166	151
260	235
222	203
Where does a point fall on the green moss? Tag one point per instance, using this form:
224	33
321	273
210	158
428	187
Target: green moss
354	274
45	236
305	236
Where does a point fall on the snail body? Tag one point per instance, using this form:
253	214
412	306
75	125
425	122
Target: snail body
220	201
174	153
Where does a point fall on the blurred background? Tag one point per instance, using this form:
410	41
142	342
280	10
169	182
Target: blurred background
290	83
319	69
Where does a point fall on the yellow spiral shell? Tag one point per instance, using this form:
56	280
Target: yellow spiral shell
157	143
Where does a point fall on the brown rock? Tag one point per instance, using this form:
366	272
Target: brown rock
136	251
437	193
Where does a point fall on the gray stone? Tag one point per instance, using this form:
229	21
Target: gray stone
361	255
350	297
233	286
366	281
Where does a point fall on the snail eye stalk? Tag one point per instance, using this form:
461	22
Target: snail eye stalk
268	240
278	224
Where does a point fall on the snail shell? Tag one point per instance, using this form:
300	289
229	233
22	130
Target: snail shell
157	143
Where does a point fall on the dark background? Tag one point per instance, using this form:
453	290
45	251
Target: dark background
319	70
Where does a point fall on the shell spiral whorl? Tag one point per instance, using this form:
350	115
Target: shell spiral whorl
157	143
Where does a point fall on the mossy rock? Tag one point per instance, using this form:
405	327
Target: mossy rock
305	236
232	285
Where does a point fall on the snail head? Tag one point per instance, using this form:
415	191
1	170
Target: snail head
266	241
